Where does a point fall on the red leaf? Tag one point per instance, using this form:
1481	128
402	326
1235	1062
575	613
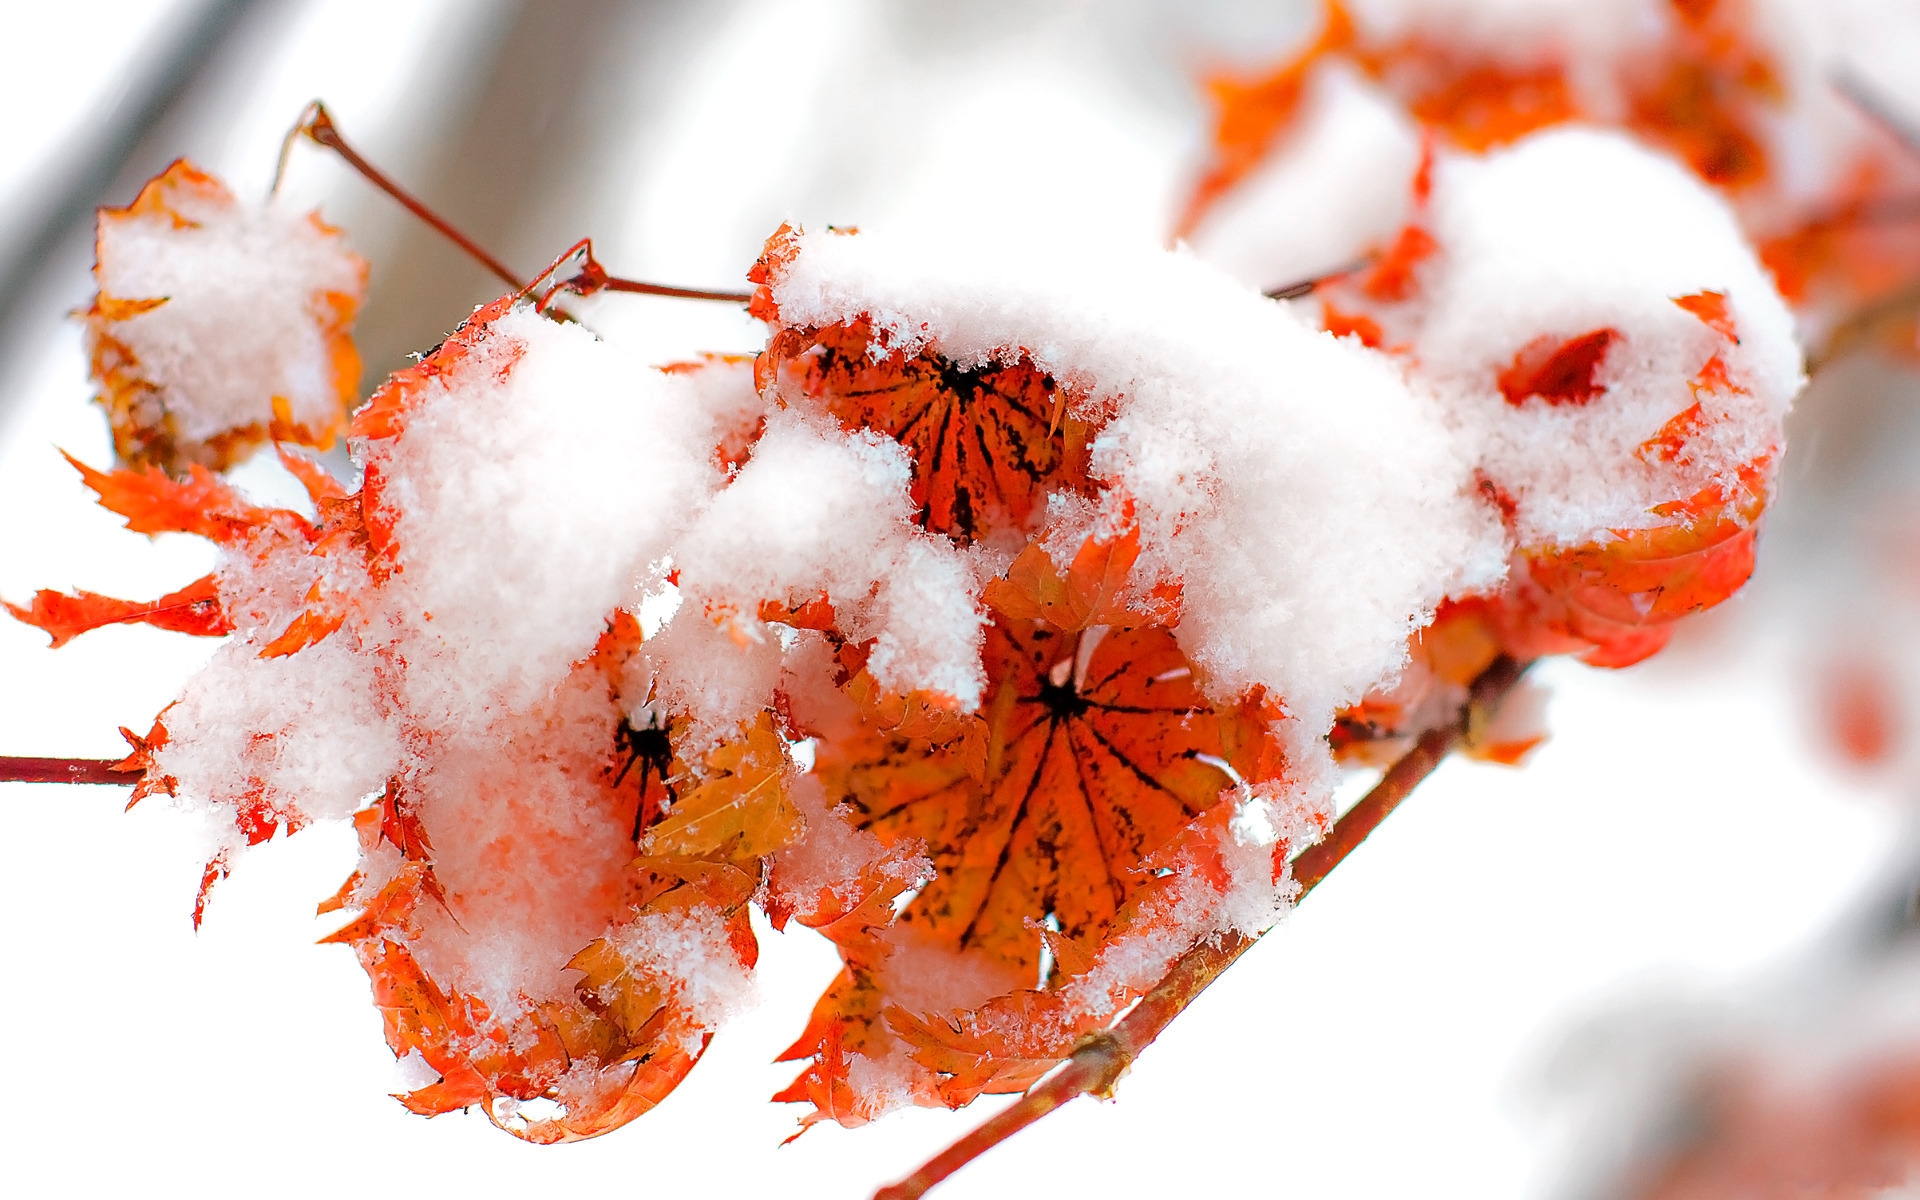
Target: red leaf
1670	443
154	502
194	609
1713	378
1344	324
1392	277
1558	372
988	443
312	476
1711	308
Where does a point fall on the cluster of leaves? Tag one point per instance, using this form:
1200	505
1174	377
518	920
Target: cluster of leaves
1764	1116
1703	85
1021	871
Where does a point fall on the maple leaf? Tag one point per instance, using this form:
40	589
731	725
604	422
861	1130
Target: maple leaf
1478	105
1008	1042
987	443
385	412
1393	274
1090	592
1669	444
1705	104
1341	323
194	609
1253	115
141	759
1711	308
1094	750
319	484
1702	90
202	504
320	620
1616	602
623	1022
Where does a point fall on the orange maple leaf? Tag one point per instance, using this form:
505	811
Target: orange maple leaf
202	504
1711	308
1618	599
987	443
1094	751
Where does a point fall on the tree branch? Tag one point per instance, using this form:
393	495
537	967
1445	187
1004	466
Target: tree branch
1103	1057
65	770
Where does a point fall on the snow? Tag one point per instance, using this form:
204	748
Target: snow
1577	230
512	559
232	274
1341	179
535	486
818	511
1313	507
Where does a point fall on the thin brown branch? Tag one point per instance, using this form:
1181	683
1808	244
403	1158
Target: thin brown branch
65	770
1102	1058
590	277
316	124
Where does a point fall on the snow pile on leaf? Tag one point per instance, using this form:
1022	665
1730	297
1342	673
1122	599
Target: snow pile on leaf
220	323
1293	501
438	657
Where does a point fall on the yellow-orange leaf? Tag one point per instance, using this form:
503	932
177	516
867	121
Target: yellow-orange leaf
742	810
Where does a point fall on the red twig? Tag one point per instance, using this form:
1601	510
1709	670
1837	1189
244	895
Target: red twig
1103	1057
65	770
616	284
590	277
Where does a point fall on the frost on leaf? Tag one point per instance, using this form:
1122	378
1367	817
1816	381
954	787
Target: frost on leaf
220	324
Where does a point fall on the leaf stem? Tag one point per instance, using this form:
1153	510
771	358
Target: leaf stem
64	770
1097	1064
317	124
616	284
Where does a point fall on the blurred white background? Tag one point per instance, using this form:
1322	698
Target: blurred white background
1680	837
